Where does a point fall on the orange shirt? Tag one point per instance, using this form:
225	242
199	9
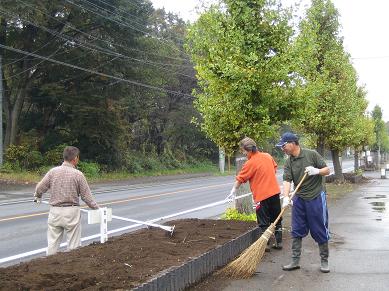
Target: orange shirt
260	171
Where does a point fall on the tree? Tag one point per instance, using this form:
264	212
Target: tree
240	52
381	143
50	28
334	104
108	119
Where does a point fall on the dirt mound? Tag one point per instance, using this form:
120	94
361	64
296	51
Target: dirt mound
123	262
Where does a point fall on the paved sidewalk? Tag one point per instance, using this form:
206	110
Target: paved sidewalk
359	249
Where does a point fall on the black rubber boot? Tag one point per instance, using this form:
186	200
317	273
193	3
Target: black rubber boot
324	253
296	253
278	239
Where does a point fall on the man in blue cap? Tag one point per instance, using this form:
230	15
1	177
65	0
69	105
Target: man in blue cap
309	211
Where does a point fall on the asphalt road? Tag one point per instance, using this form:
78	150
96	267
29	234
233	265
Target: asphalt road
23	225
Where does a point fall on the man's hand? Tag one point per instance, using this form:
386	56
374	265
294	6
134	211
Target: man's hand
37	199
312	171
286	201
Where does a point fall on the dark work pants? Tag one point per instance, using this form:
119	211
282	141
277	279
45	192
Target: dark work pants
267	213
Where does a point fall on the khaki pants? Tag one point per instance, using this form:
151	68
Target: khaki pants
63	219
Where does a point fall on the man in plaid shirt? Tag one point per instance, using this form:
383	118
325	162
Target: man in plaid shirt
66	185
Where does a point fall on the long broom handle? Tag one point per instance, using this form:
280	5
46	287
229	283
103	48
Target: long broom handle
290	197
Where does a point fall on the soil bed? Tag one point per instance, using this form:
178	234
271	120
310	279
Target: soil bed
123	262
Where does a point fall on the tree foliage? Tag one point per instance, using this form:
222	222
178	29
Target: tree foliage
335	105
107	118
240	49
380	131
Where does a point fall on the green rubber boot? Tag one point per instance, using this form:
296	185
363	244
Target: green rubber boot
324	252
296	253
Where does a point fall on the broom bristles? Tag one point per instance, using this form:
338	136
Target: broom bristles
245	265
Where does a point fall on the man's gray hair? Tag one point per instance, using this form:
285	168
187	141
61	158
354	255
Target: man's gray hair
70	153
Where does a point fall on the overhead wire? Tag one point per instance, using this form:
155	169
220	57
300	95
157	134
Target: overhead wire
93	47
35	51
97	73
122	24
99	38
126	12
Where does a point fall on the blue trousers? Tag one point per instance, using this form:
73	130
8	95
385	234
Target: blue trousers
311	216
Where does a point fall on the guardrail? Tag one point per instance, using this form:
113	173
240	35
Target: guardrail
105	217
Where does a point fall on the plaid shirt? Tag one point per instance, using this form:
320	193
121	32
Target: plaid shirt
66	184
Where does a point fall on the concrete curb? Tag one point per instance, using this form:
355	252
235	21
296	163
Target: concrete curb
191	272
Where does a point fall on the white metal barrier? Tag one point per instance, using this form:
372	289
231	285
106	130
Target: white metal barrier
104	214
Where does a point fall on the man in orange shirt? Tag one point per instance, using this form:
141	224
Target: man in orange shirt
260	171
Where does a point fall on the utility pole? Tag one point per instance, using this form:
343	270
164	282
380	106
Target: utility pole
1	112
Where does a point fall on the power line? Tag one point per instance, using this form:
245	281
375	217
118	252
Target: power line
121	23
126	12
32	67
93	47
116	14
17	60
97	38
95	72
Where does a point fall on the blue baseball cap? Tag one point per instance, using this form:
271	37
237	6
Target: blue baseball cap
287	137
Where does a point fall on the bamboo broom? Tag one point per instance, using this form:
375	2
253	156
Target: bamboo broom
245	265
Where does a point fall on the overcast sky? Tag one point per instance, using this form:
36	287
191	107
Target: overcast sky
365	27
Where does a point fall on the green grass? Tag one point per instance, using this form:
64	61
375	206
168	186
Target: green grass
21	177
335	191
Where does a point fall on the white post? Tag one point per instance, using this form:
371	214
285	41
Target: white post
221	160
103	225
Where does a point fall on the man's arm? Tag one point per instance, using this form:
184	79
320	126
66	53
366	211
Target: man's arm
286	188
324	171
86	194
43	185
319	168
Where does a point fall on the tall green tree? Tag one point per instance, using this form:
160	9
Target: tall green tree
240	52
108	119
334	104
62	31
381	135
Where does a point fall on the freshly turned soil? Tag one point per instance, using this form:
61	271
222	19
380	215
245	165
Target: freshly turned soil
123	262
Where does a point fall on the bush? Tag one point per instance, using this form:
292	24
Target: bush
90	170
23	157
169	161
233	214
16	154
54	156
34	160
7	168
133	162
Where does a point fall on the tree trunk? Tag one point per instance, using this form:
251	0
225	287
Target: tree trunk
337	166
320	146
356	160
12	118
244	205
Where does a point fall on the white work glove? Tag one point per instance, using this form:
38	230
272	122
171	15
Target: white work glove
37	199
286	201
232	195
257	205
312	171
